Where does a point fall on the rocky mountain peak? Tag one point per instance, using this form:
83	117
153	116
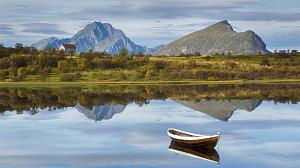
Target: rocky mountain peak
222	26
96	31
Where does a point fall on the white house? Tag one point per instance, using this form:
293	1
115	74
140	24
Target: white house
67	47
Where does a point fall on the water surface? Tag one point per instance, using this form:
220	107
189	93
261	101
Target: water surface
125	126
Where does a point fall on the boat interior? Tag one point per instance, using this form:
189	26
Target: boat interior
180	133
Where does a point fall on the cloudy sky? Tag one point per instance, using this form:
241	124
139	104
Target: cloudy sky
149	22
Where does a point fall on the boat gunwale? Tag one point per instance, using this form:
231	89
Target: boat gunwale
193	137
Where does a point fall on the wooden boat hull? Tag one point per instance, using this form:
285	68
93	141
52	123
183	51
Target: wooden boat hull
190	139
208	154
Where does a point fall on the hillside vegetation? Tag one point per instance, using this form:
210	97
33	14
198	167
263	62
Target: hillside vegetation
28	64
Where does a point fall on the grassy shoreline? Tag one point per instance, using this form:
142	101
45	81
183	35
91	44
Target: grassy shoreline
181	82
93	67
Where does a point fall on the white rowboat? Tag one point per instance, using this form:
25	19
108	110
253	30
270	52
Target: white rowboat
191	139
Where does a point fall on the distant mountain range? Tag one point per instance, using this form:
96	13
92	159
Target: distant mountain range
220	109
96	36
217	38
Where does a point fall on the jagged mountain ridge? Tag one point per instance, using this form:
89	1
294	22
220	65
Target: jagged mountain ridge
217	38
96	36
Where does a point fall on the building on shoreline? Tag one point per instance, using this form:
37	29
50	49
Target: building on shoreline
67	48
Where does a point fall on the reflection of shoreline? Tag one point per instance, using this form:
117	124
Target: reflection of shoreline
208	154
220	109
101	112
19	99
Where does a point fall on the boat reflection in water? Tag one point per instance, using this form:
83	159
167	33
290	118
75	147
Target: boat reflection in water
204	153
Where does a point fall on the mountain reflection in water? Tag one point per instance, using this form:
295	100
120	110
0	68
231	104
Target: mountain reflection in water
102	102
220	109
101	112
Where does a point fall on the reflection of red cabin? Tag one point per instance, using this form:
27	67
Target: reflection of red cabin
67	47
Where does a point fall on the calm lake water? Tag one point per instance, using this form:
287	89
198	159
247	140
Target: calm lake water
125	126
